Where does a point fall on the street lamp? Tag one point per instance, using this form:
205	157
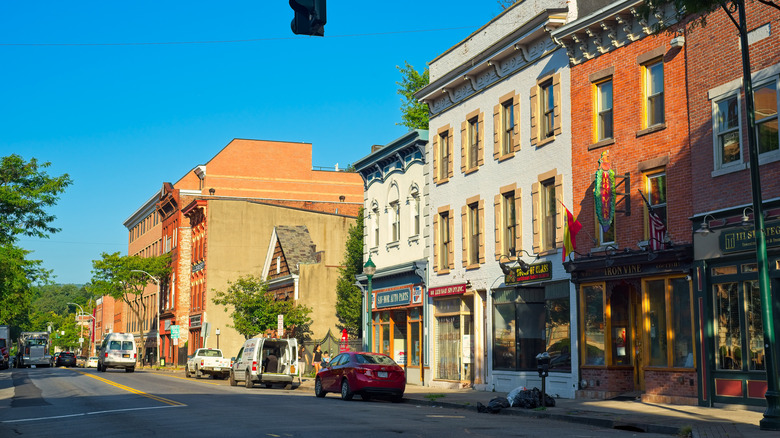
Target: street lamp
369	269
157	346
81	336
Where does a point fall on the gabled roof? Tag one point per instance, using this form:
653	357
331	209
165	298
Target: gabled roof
297	246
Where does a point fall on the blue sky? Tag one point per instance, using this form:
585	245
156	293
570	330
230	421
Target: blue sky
94	88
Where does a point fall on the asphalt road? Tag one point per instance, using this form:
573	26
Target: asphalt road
75	402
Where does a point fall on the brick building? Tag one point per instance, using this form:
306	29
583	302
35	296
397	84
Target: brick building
630	143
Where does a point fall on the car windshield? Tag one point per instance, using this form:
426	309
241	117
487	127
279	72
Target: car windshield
211	353
374	359
67	355
93	358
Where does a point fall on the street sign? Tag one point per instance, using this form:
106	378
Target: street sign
280	326
175	331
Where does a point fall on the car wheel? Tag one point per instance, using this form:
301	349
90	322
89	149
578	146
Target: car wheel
187	372
288	386
318	391
232	379
130	370
346	393
248	380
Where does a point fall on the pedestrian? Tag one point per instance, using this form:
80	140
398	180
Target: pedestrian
317	359
303	361
325	358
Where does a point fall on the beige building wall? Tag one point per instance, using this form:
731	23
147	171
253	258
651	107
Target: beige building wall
237	242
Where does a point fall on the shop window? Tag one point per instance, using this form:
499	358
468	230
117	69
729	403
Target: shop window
656	313
528	321
621	327
728	333
415	338
755	326
454	330
681	318
593	324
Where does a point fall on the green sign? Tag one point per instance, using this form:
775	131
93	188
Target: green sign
174	331
744	239
535	272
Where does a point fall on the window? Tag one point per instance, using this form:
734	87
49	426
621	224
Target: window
442	155
395	221
548	209
375	224
765	97
654	93
473	145
593	321
508	125
727	133
442	241
656	196
472	142
510	223
415	214
545	99
507	229
530	320
604	110
472	219
506	138
608	236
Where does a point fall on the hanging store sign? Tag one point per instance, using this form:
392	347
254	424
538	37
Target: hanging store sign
198	266
417	293
535	272
194	321
458	289
744	239
393	298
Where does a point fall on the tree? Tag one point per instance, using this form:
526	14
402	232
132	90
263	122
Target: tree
414	114
25	193
255	309
349	298
113	275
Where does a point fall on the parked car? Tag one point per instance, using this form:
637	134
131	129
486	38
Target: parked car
66	359
266	361
81	361
92	362
117	351
363	373
207	361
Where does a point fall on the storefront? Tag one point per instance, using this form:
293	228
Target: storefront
397	327
453	333
637	319
532	314
728	295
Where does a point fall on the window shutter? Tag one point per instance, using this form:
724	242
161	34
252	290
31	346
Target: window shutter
451	219
463	145
497	131
481	140
482	228
450	148
436	158
436	243
556	84
534	115
518	221
535	217
498	220
516	104
559	213
464	222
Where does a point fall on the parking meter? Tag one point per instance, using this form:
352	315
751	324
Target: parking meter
543	364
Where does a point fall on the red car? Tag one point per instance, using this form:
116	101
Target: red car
367	374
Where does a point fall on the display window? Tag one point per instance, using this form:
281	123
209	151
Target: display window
454	338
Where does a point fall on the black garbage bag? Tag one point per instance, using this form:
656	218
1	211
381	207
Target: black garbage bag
529	399
494	406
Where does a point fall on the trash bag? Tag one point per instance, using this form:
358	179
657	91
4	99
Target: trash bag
494	406
513	394
529	399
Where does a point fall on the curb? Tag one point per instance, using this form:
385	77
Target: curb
599	422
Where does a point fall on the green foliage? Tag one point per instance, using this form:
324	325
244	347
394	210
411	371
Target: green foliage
114	275
414	114
255	309
55	298
25	192
349	298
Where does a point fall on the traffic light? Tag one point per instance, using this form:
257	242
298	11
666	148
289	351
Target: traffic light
310	17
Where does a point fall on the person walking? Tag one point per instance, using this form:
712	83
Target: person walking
317	359
303	361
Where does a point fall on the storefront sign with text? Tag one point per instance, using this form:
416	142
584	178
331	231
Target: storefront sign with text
457	289
744	239
535	272
400	297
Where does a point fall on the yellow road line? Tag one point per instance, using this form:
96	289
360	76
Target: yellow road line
134	391
189	380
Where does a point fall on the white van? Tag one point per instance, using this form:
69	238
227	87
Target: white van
267	361
117	351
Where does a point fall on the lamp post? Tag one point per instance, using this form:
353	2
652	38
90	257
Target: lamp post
157	345
369	269
771	420
81	336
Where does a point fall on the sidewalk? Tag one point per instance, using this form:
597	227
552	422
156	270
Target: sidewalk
724	421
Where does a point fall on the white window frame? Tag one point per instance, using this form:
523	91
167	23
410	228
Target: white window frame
648	97
717	150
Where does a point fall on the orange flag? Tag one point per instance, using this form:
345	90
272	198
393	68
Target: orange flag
570	233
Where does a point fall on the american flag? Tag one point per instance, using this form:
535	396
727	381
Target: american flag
657	232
